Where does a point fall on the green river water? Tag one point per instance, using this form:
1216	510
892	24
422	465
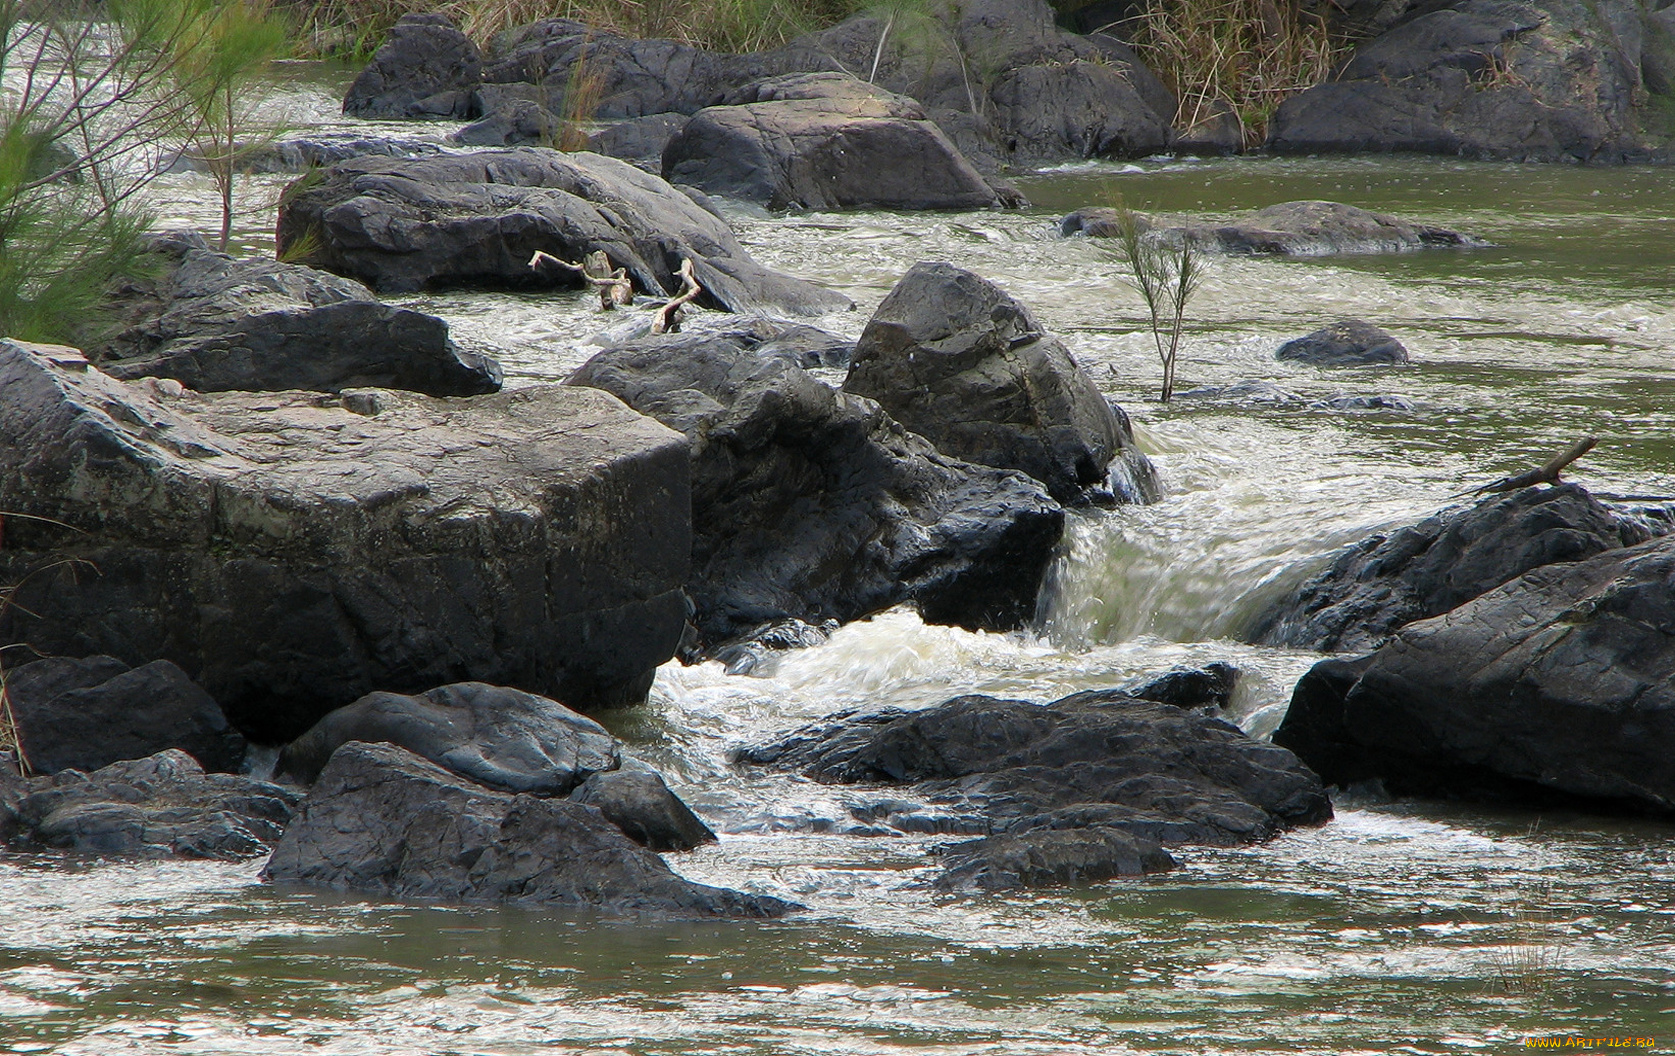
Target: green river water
1411	927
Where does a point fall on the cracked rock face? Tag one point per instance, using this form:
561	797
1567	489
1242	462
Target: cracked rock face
293	551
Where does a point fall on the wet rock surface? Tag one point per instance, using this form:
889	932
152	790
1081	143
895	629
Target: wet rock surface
1555	686
217	323
162	805
385	822
813	504
407	224
640	804
1154	772
500	738
1385	581
1555	80
294	551
1289	229
89	713
1346	343
824	141
960	362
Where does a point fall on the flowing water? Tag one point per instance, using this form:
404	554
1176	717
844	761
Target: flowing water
1399	927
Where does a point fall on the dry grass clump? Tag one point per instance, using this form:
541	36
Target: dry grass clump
1251	54
356	27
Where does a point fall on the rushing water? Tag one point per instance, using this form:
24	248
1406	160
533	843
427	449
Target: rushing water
1406	927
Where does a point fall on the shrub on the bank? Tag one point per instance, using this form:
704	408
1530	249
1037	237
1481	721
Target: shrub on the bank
1248	54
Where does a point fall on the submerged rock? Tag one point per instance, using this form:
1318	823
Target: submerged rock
500	738
385	822
426	68
215	323
1554	80
153	807
407	224
1154	772
1385	581
1046	857
89	713
1290	229
813	504
1557	685
824	141
960	362
1346	343
294	551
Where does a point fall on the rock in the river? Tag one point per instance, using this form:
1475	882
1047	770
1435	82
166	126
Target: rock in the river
160	805
811	503
1385	581
215	323
1094	760
641	805
1290	229
427	68
405	224
294	551
957	360
383	821
86	714
638	140
500	738
1553	80
824	141
1561	683
513	123
1346	343
1210	687
1045	857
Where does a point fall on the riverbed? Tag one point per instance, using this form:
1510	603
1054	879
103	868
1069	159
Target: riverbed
1418	927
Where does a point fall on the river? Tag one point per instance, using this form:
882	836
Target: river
1414	927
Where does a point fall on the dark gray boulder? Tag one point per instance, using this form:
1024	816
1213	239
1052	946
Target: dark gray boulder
1346	343
1289	229
824	141
638	140
1094	760
1371	589
407	224
1049	857
500	738
426	68
811	503
1555	80
86	714
1210	687
294	551
1558	685
158	806
957	360
385	822
641	805
745	654
215	323
514	122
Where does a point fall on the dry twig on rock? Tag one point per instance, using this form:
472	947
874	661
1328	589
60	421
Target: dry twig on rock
614	286
1547	474
668	316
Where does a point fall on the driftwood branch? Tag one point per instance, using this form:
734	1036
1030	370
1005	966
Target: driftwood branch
668	316
614	287
1547	474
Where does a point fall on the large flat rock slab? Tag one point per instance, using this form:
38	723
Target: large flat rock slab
294	551
410	223
1289	229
